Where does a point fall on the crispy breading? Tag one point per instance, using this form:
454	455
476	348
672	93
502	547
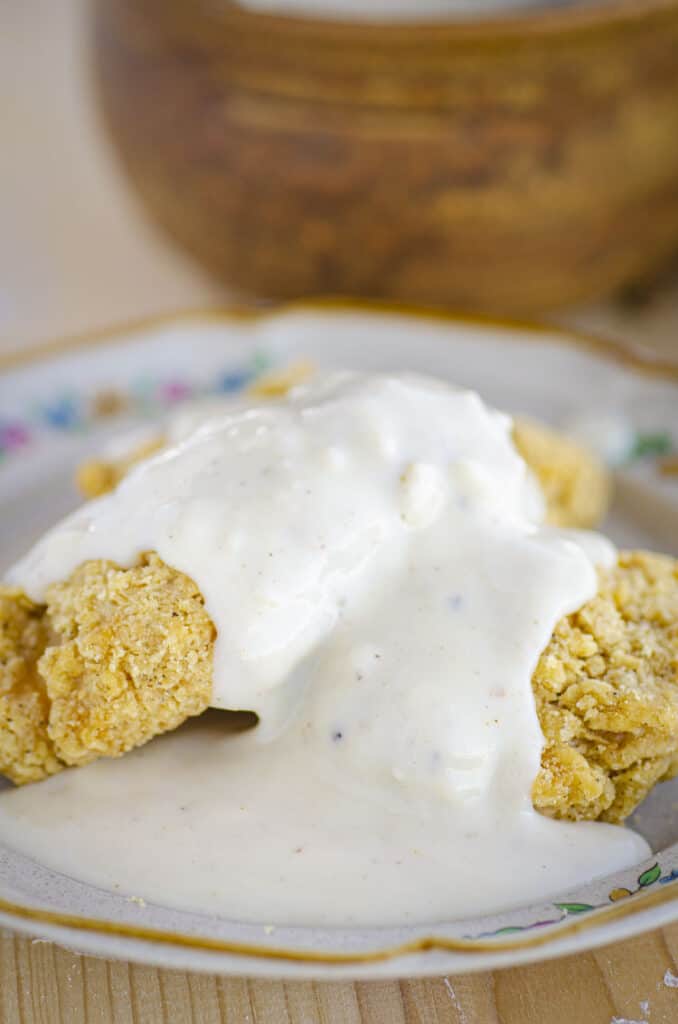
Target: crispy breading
606	691
98	476
116	657
575	483
277	383
135	658
26	752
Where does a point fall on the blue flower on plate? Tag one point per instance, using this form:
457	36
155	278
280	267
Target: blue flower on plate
62	414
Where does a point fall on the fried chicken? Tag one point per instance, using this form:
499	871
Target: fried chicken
115	657
98	476
118	656
573	480
26	751
606	691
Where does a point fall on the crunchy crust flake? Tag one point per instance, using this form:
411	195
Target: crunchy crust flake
606	690
116	657
98	476
277	383
26	752
574	481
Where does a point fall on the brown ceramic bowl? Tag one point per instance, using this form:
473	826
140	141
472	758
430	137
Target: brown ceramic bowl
509	164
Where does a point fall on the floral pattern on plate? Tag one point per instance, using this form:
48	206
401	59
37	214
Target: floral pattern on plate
145	397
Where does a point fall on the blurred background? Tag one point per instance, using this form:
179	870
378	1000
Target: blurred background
76	251
164	154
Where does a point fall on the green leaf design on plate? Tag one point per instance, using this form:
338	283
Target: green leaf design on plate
650	876
651	444
574	908
261	361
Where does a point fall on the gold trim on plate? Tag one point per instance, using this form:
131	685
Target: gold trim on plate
615	351
530	939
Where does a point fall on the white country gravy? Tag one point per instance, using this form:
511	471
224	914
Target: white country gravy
371	552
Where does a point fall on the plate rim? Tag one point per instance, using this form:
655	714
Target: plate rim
616	351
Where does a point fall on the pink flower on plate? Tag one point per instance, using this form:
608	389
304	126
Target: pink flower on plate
175	391
13	435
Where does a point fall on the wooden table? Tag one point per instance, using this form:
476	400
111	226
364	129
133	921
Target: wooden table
41	984
75	253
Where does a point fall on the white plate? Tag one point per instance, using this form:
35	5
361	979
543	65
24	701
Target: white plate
60	407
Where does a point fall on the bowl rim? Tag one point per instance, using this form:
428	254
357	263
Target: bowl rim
575	16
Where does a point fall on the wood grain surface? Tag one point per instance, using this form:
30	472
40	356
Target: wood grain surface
626	983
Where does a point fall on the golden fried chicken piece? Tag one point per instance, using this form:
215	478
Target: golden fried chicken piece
277	383
606	690
116	657
26	752
98	476
574	481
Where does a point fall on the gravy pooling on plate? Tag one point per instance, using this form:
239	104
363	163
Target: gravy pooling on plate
372	553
